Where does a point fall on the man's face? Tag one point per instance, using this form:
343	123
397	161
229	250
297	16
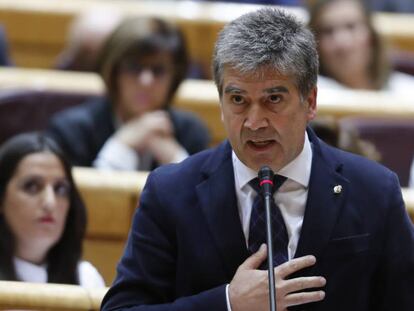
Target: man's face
264	117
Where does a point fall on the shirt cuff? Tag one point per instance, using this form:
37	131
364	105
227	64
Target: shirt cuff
115	155
227	298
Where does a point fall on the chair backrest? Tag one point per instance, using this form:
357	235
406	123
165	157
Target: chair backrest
30	110
111	198
392	137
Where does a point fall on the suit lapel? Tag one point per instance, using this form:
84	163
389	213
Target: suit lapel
323	203
219	204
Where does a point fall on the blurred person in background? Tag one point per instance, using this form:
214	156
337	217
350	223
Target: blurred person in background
352	54
133	127
4	49
86	36
42	217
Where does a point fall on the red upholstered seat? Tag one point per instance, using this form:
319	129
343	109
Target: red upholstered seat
393	139
29	110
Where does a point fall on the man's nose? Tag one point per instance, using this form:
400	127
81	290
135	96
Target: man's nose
256	118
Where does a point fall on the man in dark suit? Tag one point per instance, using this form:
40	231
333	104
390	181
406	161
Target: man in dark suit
349	244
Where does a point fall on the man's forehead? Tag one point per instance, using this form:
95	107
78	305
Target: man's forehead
268	78
262	74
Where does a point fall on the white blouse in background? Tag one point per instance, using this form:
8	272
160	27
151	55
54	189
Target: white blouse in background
26	271
399	83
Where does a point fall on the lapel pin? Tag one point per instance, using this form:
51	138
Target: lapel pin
337	189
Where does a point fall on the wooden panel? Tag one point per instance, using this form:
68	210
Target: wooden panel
104	253
43	24
111	198
37	296
201	96
408	195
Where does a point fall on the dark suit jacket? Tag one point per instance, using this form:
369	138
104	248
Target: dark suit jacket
186	241
83	130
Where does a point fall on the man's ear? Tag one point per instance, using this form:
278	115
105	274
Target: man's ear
221	108
310	103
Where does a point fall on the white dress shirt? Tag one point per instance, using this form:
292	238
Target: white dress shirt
26	271
291	197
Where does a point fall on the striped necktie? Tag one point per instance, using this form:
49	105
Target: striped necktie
257	231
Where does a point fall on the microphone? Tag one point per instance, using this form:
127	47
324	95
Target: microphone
266	185
266	180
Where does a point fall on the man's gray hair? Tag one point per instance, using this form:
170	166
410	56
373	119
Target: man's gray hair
267	39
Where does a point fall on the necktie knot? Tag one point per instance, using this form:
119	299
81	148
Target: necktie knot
278	181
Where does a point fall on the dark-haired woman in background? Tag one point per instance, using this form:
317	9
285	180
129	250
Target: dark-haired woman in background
134	128
42	217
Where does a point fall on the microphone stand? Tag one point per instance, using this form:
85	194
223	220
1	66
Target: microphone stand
269	232
266	183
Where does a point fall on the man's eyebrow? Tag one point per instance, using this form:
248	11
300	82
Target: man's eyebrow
276	89
233	89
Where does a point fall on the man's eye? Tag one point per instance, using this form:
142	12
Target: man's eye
274	99
237	99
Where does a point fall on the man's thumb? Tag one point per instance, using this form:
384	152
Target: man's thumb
255	260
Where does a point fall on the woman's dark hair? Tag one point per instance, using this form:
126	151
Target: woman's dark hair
379	68
140	37
63	257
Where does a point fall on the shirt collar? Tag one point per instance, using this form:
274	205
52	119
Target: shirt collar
297	170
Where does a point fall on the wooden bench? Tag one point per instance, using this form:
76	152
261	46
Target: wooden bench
111	199
201	97
37	29
52	297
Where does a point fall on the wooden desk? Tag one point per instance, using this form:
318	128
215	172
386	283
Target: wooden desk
201	96
37	29
52	297
111	199
408	195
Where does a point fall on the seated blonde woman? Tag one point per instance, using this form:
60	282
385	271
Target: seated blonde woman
352	54
42	217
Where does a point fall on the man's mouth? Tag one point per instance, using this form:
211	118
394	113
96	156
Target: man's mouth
260	143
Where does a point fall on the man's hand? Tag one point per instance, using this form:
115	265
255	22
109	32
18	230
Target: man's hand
249	288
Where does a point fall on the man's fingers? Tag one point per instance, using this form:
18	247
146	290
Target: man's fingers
294	265
298	284
255	260
302	298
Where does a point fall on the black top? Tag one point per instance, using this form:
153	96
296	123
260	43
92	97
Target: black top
83	130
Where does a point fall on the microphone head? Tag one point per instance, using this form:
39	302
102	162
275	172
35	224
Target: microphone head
265	173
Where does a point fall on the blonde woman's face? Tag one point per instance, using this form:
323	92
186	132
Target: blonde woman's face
344	40
36	201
